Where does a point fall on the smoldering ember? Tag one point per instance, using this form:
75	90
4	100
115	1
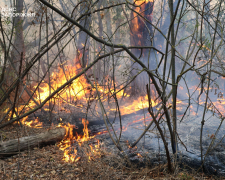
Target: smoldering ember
117	89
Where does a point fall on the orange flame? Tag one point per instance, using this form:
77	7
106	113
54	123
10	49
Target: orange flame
71	154
137	22
34	123
136	105
140	2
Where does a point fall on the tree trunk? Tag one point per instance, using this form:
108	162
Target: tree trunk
83	41
140	35
108	22
100	25
18	46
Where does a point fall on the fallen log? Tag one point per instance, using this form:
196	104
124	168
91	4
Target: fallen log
14	146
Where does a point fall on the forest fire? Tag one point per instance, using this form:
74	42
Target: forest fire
84	90
76	95
111	83
79	91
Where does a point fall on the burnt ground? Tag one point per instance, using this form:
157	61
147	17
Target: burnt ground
46	163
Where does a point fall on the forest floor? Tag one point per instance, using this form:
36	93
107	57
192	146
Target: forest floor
47	163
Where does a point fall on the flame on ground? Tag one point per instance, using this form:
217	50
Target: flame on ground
34	123
136	105
68	144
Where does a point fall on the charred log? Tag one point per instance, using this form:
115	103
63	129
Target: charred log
14	146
